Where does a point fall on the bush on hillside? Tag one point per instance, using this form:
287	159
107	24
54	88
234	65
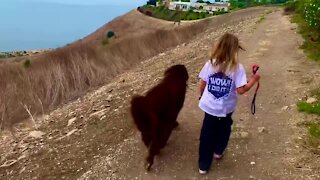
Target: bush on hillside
6	55
290	7
309	10
312	13
104	41
307	13
110	34
27	63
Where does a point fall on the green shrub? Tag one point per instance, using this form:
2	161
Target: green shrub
314	130
26	63
309	108
19	53
314	135
312	13
6	55
307	13
110	34
261	18
104	41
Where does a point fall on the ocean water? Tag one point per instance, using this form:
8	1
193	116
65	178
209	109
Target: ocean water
42	24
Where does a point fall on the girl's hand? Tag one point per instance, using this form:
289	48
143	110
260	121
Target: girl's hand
256	77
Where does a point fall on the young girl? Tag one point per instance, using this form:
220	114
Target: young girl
221	79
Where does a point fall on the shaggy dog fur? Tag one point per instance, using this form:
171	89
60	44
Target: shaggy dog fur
155	114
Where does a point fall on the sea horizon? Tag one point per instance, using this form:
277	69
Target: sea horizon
47	24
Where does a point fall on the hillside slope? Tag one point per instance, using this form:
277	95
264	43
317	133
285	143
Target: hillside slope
43	82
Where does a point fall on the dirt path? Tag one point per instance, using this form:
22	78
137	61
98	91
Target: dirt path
252	154
101	143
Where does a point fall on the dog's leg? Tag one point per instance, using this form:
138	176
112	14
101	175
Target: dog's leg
153	150
146	138
164	136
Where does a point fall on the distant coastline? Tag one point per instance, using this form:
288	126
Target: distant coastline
11	54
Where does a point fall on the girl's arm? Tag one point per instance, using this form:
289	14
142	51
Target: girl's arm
255	78
202	85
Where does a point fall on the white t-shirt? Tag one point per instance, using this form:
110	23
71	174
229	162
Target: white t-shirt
220	97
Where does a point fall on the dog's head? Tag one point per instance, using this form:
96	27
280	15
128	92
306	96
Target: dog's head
177	71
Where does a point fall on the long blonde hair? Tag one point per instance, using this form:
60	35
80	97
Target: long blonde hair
225	53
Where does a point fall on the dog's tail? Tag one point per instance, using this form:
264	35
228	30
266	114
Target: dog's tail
140	113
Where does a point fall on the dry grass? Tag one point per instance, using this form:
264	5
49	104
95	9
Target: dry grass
46	83
64	74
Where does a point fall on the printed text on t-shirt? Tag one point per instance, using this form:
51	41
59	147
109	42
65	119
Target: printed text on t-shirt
219	85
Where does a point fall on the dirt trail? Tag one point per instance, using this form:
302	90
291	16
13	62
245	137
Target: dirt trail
104	145
252	154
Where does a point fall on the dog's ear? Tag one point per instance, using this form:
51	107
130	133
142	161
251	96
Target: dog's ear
178	71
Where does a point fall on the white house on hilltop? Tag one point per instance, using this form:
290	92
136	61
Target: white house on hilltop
199	7
216	7
184	6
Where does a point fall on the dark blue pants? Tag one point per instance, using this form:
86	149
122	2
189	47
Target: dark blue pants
214	138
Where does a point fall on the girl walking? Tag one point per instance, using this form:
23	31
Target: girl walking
222	78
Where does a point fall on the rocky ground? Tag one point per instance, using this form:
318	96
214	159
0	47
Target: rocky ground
94	138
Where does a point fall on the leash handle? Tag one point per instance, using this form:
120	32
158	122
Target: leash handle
255	68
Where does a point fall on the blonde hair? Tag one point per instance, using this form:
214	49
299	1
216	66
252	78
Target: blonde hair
225	53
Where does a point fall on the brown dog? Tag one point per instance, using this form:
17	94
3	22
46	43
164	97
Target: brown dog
155	114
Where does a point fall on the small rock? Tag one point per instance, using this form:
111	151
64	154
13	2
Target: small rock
253	163
311	100
244	134
99	114
71	132
8	163
22	157
284	108
300	138
68	134
72	114
261	129
71	121
36	134
22	170
109	98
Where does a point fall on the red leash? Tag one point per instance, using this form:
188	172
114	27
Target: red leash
255	68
